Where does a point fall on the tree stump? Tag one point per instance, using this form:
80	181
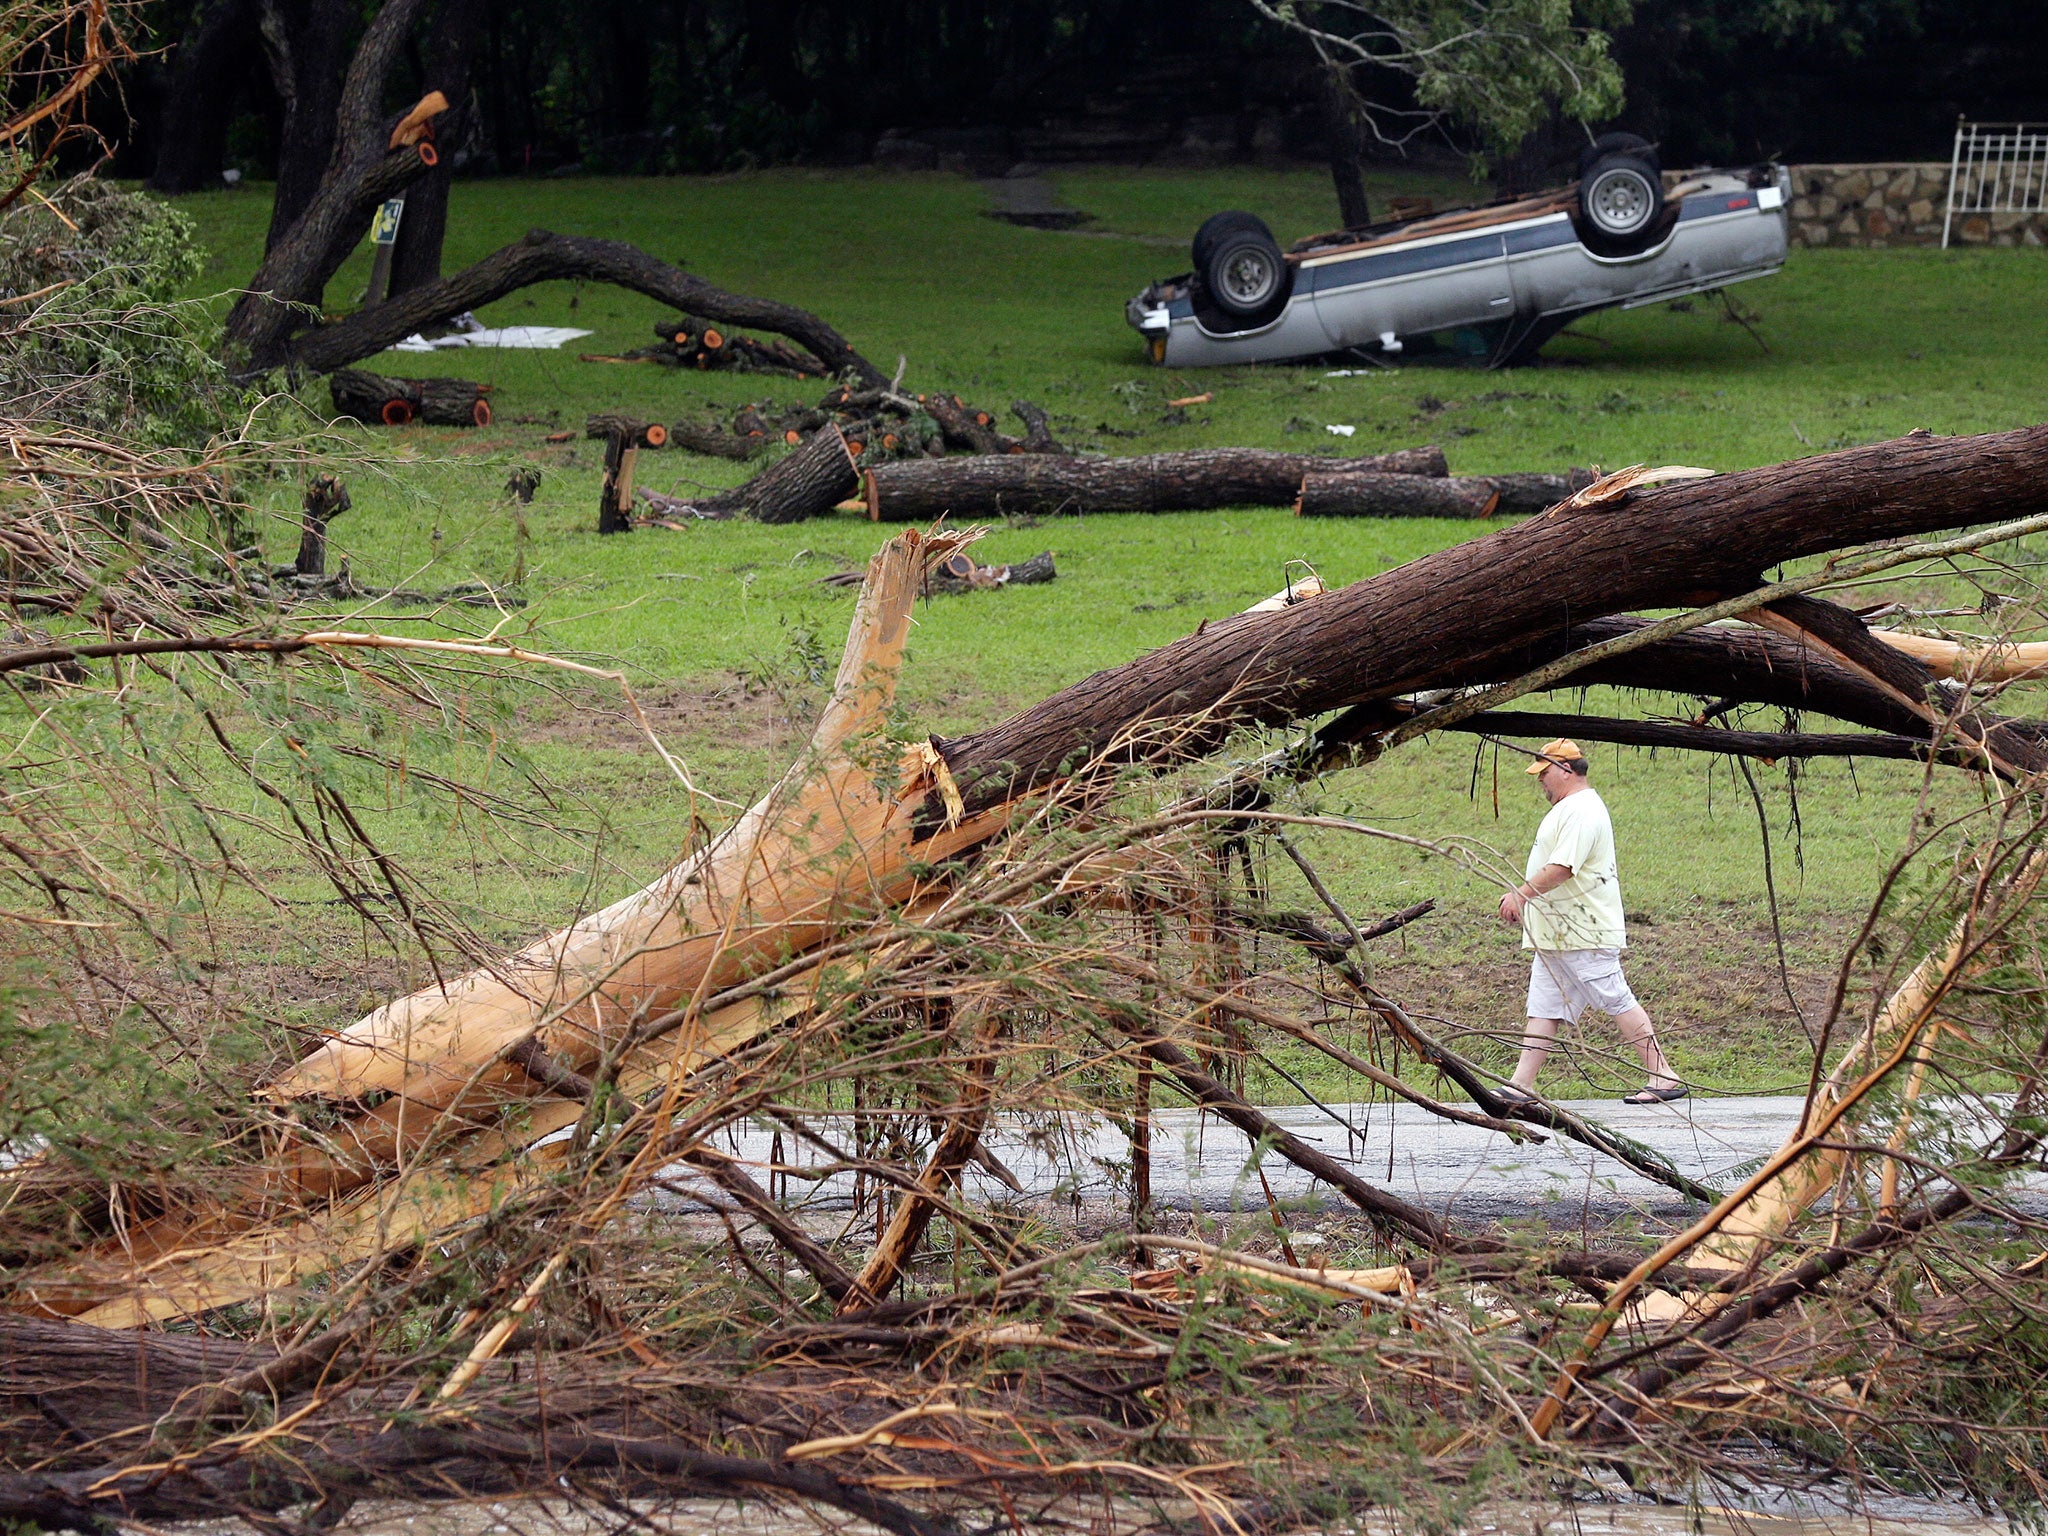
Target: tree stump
624	437
326	499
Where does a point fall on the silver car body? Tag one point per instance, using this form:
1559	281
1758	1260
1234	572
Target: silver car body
1519	270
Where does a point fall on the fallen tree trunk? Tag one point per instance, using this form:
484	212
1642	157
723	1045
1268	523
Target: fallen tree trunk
539	258
1448	614
1000	484
809	482
1348	493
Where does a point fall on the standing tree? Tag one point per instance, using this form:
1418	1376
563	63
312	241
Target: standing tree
1497	68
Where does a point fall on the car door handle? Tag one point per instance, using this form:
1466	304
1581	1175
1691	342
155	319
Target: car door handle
1496	303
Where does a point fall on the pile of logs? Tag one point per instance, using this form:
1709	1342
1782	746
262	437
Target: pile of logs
379	401
691	341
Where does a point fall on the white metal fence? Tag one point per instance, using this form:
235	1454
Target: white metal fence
1997	168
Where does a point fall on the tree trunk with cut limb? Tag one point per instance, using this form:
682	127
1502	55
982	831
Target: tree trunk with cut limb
1044	484
451	50
363	170
1345	493
539	258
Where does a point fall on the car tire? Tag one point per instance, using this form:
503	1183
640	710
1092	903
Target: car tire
1621	197
1620	144
1218	225
1245	276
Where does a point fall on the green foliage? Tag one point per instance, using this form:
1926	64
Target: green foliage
1497	67
110	345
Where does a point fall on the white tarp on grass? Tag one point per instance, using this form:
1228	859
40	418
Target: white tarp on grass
530	337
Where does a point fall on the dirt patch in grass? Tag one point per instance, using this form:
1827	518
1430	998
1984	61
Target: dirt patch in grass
736	717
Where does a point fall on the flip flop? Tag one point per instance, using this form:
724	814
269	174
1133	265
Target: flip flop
1513	1097
1647	1096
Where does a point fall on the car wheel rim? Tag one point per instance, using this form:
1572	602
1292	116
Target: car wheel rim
1248	279
1620	202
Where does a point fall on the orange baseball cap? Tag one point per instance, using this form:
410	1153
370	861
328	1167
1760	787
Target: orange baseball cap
1558	751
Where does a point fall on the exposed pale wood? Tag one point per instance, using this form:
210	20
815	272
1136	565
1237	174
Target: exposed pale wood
1992	661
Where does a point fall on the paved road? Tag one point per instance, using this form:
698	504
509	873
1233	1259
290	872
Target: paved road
1199	1162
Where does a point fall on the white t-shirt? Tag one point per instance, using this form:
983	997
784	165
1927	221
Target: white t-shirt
1584	912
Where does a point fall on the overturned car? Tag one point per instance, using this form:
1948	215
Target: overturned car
1508	276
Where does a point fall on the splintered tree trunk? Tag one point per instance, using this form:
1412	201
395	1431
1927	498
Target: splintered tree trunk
624	437
856	828
1343	493
326	499
807	483
1042	484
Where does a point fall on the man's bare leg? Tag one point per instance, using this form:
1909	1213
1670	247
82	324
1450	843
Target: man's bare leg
1640	1034
1537	1035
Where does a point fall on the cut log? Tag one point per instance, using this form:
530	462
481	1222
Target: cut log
966	427
962	574
381	401
1045	484
326	499
1347	493
807	483
716	442
691	341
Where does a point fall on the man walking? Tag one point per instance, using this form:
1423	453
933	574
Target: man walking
1569	910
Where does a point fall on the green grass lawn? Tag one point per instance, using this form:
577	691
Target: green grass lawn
720	627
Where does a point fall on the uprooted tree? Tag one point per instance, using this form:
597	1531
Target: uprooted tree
915	934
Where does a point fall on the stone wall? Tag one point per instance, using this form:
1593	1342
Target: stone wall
1897	204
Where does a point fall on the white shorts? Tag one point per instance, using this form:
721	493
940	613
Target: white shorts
1564	983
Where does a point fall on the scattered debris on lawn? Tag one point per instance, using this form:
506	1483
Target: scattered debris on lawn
960	572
